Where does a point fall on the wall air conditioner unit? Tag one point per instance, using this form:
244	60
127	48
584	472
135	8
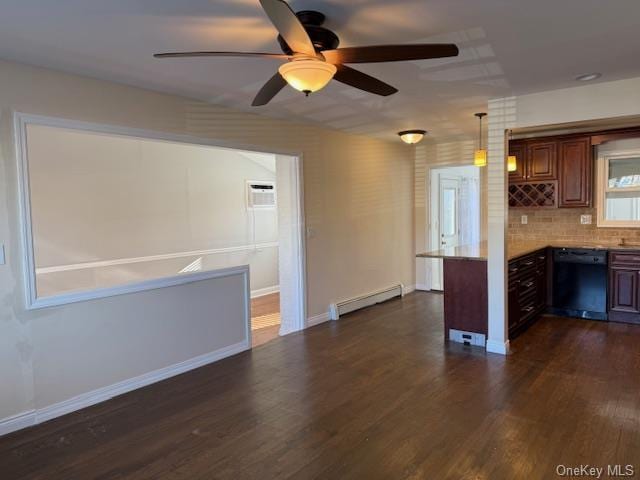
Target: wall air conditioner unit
261	194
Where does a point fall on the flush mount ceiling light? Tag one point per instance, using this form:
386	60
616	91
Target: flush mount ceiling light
307	75
412	136
587	77
480	155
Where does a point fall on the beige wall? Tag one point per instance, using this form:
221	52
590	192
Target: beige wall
358	200
429	155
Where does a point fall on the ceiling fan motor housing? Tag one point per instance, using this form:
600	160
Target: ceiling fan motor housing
322	38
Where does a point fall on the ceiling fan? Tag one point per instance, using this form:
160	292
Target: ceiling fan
314	57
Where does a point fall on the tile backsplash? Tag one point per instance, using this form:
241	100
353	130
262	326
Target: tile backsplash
563	224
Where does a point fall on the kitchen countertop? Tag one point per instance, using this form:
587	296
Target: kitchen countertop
478	251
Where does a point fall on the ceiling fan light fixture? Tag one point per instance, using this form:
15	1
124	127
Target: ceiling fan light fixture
307	75
412	136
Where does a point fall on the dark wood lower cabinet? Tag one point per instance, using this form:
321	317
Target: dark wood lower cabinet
527	290
624	286
465	295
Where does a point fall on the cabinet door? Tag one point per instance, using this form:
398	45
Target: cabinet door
575	173
542	159
623	295
518	149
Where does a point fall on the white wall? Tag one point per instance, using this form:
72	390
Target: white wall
98	197
358	203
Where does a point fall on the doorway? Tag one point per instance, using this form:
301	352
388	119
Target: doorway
282	310
454	214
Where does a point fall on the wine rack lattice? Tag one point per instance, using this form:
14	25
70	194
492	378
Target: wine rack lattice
543	194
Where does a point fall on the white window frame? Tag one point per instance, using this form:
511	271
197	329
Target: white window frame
296	318
602	188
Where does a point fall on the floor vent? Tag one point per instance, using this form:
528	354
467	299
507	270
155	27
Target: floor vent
346	306
467	338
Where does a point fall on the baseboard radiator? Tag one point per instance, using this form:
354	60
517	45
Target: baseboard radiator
346	306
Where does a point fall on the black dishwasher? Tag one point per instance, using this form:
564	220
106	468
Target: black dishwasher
580	283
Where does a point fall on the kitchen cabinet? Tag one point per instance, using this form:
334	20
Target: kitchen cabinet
552	172
527	290
575	173
624	286
518	149
542	159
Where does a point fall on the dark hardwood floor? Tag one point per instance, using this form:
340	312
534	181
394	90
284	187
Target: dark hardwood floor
376	395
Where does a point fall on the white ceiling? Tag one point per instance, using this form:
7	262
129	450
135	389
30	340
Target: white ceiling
507	47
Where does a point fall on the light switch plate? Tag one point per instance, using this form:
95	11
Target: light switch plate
524	219
585	219
2	258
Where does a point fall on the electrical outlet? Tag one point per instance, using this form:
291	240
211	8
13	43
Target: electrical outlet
524	219
585	219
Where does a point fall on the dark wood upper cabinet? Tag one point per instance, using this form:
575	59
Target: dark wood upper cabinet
542	160
575	173
518	148
564	163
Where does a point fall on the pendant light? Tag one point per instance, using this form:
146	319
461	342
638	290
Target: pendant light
480	155
512	161
412	136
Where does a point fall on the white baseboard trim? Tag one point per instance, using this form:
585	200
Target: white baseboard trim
497	346
318	319
84	400
261	292
17	422
406	289
340	308
422	287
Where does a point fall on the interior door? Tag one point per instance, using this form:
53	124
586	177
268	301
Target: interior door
448	222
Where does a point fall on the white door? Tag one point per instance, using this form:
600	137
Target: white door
447	225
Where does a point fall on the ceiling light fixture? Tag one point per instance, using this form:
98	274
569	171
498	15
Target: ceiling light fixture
480	155
512	161
587	77
307	75
412	136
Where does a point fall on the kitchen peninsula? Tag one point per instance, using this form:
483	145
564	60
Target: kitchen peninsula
537	281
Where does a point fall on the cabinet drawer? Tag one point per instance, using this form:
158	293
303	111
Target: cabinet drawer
528	286
628	258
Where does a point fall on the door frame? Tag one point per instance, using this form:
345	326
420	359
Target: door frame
429	243
297	234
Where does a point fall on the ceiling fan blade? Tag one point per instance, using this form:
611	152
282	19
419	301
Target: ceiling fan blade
357	79
288	25
390	53
269	90
221	54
